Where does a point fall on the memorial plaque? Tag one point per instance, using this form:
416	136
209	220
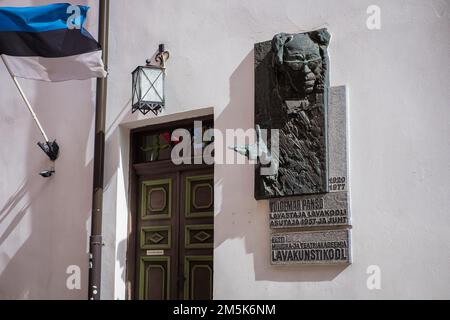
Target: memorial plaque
291	95
313	248
328	209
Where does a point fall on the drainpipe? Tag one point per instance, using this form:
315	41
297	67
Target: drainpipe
95	240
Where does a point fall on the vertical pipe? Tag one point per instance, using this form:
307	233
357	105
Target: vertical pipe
95	241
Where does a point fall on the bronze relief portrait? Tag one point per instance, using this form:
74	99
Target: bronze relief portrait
291	86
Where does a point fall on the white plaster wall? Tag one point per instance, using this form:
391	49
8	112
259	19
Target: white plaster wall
397	79
44	223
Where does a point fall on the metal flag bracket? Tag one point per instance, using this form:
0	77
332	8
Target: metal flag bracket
51	149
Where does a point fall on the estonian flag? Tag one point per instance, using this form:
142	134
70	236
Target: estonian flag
37	43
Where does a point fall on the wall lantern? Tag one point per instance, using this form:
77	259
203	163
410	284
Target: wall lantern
148	84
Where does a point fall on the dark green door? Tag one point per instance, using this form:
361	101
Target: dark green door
175	235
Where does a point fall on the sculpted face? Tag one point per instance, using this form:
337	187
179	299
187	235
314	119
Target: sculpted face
298	56
303	61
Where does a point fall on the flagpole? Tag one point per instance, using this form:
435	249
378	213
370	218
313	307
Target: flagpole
24	97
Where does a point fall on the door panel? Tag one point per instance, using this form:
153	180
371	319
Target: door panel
154	278
199	236
199	195
156	199
156	237
198	272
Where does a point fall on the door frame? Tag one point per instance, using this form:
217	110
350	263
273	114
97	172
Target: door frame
164	166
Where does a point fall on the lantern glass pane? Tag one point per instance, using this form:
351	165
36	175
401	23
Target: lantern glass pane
135	93
152	85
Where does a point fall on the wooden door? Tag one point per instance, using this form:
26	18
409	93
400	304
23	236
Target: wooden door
170	246
175	235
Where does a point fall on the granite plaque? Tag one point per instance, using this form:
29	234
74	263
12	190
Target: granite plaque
328	209
337	140
313	248
291	95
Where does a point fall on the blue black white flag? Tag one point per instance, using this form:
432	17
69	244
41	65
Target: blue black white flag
49	43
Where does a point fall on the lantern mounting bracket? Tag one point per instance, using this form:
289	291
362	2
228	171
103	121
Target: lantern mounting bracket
162	56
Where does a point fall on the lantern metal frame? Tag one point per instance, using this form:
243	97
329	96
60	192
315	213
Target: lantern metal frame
137	101
145	105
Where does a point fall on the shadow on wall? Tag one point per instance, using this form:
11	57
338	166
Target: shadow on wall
121	258
56	209
238	214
